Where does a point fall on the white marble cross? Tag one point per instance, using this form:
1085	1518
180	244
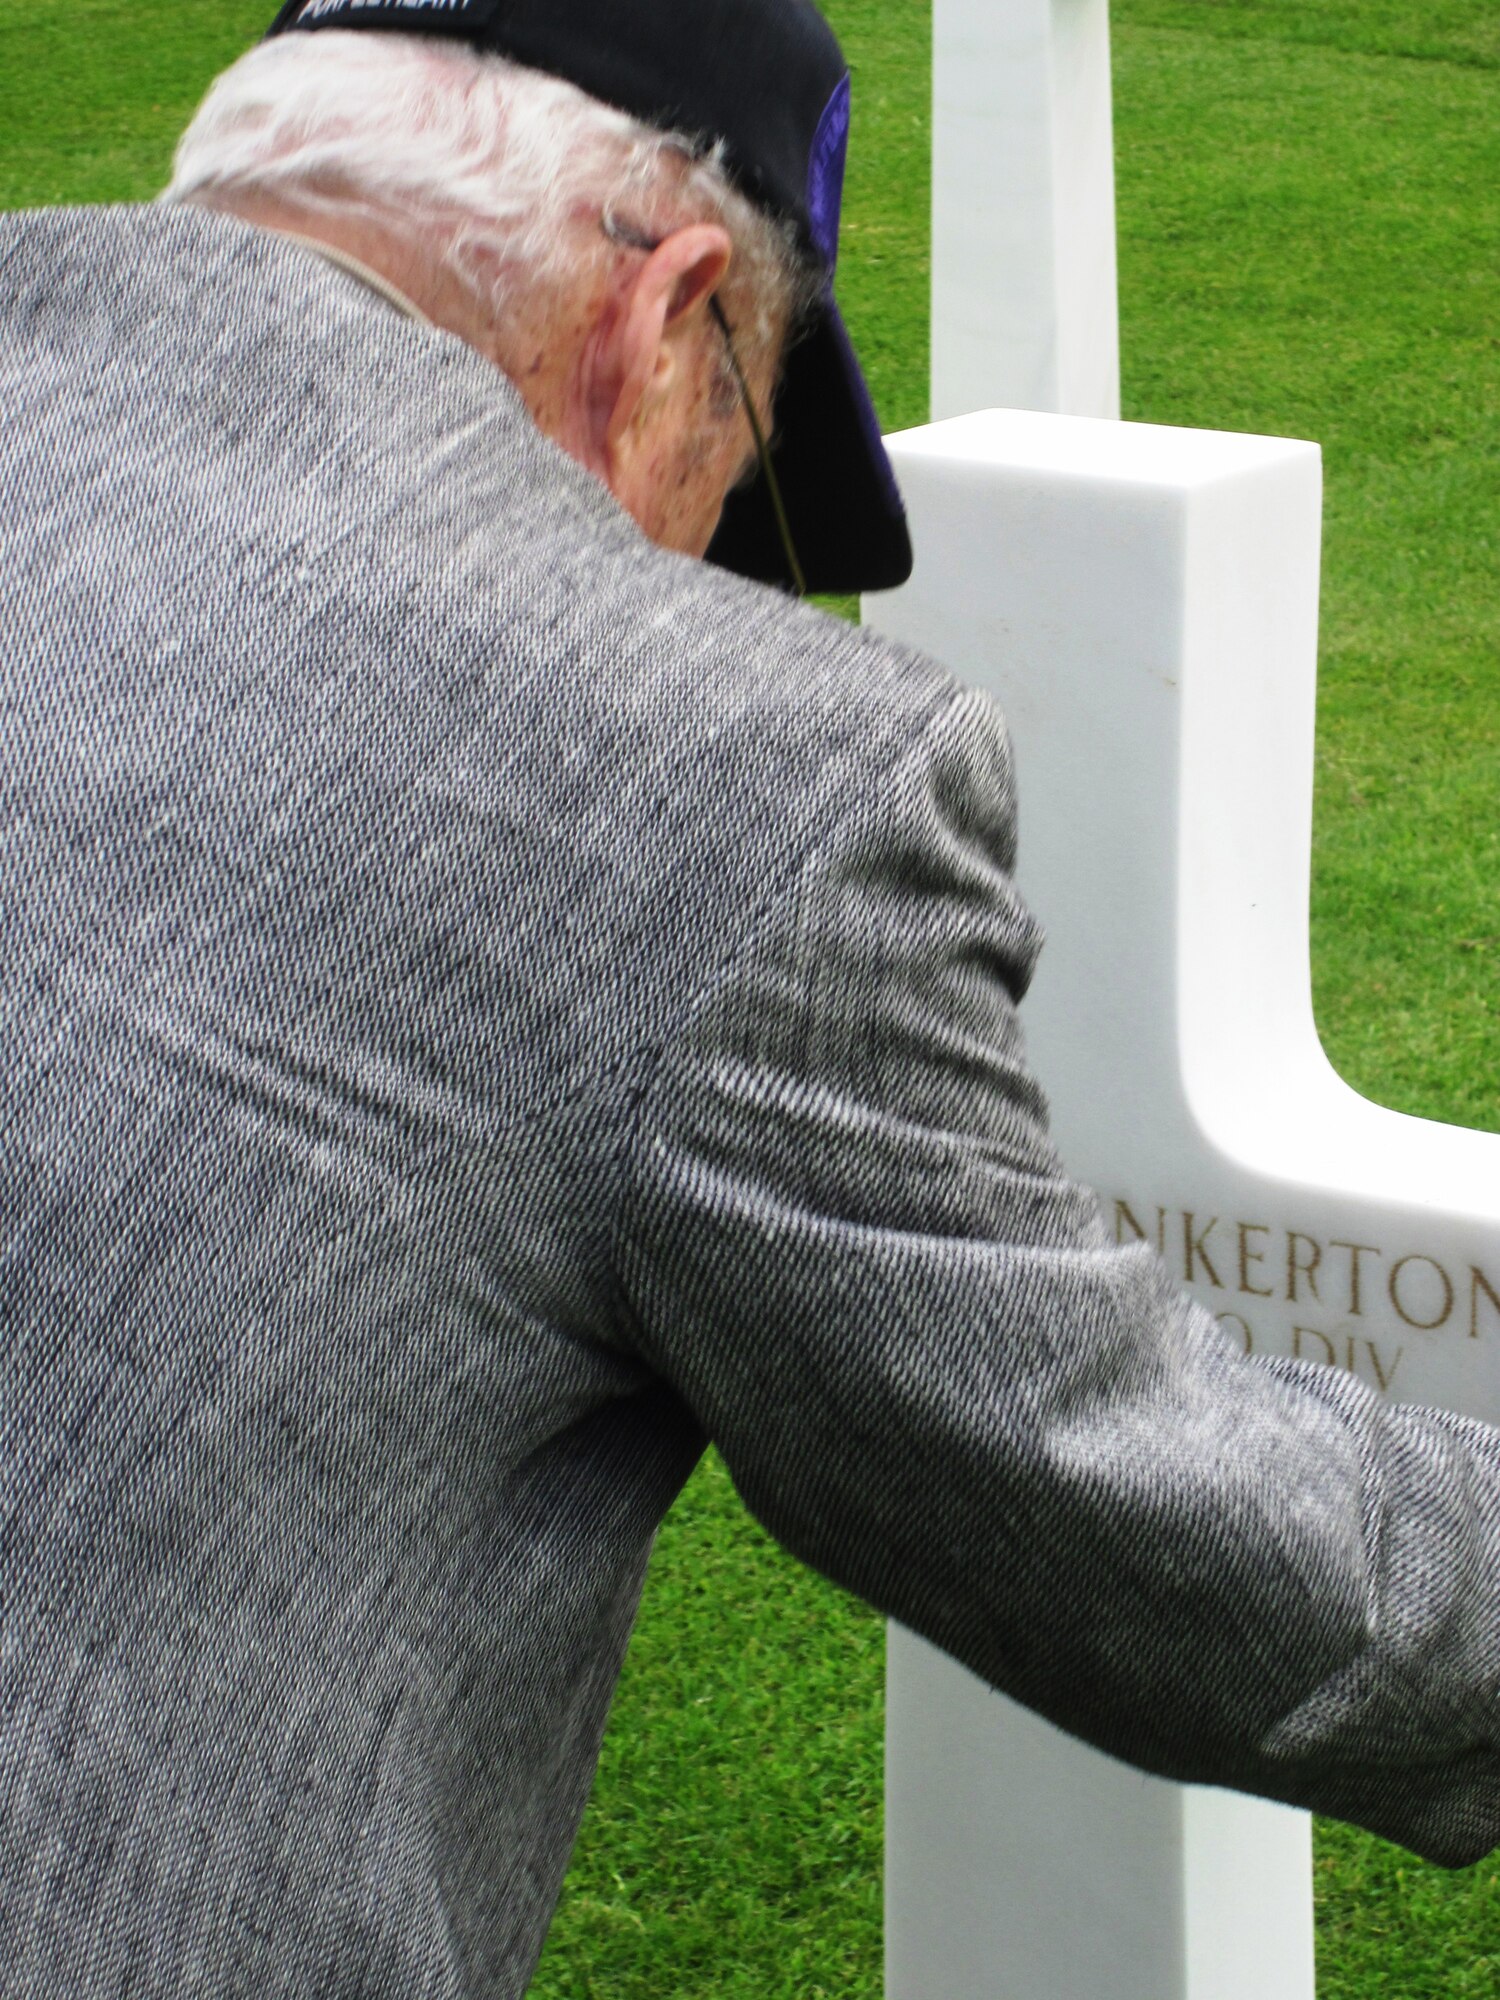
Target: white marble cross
1143	603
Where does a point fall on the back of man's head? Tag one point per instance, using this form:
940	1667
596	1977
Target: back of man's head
508	164
499	173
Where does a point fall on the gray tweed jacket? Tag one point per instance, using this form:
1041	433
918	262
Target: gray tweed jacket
487	1005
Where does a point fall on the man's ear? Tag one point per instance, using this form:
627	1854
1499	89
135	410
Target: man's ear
669	291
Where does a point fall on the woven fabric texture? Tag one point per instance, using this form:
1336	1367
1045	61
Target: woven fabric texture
487	1005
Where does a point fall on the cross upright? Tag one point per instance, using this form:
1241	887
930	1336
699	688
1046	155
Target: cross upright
1024	315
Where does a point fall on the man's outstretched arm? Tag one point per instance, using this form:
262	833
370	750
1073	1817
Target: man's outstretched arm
847	1241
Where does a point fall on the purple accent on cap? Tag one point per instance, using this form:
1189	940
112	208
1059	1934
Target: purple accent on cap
825	174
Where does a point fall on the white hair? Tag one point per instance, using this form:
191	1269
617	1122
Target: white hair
485	161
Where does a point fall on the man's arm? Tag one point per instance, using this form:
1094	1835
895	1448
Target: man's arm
849	1245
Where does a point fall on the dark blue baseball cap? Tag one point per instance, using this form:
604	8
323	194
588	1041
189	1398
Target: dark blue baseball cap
766	79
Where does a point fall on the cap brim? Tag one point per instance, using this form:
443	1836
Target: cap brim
847	522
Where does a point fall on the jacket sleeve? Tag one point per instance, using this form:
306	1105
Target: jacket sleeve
847	1242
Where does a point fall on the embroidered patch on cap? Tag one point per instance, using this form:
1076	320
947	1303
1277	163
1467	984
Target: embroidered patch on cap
465	14
825	174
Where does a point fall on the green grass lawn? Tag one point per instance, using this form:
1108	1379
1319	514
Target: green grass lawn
1309	205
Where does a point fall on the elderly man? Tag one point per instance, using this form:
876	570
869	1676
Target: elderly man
491	1001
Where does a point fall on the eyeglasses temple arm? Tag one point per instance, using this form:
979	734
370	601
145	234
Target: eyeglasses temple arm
762	450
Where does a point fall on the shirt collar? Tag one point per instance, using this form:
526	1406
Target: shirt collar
356	269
